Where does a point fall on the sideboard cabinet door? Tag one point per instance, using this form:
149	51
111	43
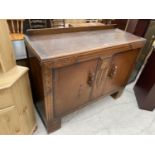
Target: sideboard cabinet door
73	86
101	76
120	70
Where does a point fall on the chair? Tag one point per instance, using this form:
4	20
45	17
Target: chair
37	23
16	29
17	37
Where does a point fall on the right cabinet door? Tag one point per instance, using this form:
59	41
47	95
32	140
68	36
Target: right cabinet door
120	69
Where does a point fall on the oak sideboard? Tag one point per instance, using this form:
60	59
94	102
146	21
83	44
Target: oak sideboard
69	67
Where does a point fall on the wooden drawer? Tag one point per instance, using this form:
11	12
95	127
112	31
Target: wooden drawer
6	99
9	121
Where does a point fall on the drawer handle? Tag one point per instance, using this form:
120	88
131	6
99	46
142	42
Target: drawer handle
91	78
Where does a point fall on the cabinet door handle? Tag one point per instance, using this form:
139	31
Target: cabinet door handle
91	77
113	71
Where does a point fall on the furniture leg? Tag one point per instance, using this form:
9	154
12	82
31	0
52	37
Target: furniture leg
117	94
53	125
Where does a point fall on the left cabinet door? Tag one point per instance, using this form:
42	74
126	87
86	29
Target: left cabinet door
73	85
9	121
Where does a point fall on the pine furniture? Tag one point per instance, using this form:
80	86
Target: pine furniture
16	105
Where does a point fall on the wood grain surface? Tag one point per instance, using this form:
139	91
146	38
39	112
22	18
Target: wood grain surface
7	58
56	45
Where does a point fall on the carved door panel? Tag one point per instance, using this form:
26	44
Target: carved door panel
73	86
120	70
100	79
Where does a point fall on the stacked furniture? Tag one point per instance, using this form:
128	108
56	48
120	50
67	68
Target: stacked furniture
16	105
72	66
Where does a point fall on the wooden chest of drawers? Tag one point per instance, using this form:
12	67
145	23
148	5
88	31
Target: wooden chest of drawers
70	67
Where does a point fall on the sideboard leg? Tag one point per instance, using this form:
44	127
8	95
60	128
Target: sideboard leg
54	125
117	94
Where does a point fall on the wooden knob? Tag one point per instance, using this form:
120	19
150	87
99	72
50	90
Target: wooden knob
25	108
17	130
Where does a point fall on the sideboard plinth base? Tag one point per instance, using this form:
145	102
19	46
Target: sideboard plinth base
54	125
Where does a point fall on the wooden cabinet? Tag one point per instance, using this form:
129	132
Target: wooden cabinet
16	108
70	67
16	105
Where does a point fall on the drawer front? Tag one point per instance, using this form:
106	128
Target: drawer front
9	121
5	98
73	86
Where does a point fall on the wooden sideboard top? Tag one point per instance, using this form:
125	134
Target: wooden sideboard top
86	24
50	46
